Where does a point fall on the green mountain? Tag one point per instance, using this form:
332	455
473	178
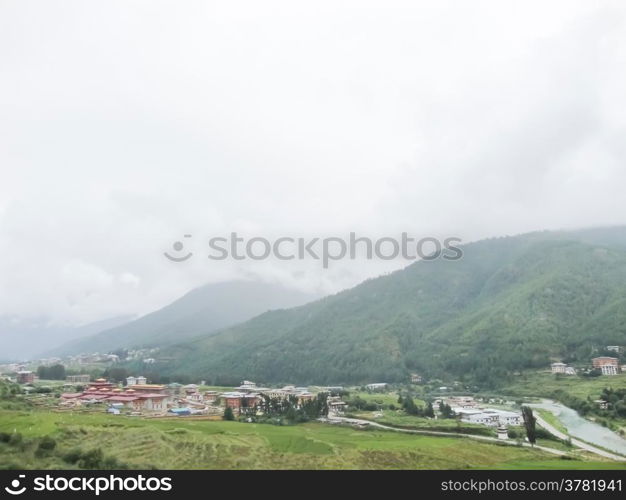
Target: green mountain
200	311
509	304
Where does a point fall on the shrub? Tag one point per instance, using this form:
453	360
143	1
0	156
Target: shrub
91	459
111	463
15	439
72	456
228	414
47	443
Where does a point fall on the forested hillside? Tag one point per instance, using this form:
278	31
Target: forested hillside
510	304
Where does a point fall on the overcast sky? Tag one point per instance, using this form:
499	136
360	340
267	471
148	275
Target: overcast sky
126	124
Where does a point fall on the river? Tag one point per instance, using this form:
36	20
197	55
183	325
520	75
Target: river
584	429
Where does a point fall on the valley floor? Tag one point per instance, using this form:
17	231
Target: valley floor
203	444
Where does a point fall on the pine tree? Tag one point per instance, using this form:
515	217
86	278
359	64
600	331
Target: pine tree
228	414
529	424
429	410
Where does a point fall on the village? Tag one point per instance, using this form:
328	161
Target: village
137	396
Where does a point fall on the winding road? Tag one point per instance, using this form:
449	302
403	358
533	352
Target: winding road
540	421
376	425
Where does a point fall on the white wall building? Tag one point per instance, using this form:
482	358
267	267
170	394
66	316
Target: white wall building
489	417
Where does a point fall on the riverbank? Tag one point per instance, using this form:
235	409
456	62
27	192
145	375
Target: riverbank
592	436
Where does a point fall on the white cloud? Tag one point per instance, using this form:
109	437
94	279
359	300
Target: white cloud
128	124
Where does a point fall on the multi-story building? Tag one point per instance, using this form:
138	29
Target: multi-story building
376	387
210	396
607	365
239	401
489	417
139	398
25	377
558	367
77	379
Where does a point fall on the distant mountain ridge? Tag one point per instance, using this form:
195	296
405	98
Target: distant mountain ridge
509	304
31	338
199	312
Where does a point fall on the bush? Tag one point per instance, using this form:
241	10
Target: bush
11	466
111	463
4	437
228	414
72	456
91	459
45	446
47	443
15	439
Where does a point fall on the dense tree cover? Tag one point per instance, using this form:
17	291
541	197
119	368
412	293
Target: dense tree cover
8	390
9	396
616	402
53	372
508	305
446	411
291	410
358	403
116	374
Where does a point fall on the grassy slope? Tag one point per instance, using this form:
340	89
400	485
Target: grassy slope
231	445
538	384
552	420
544	384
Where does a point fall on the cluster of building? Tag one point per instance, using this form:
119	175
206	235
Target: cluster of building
468	410
562	368
606	364
248	395
139	396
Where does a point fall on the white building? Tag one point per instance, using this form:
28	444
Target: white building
377	386
489	417
276	393
562	368
608	369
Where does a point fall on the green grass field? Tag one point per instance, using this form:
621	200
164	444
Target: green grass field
544	384
541	384
201	444
401	419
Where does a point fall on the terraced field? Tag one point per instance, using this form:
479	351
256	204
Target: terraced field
201	444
